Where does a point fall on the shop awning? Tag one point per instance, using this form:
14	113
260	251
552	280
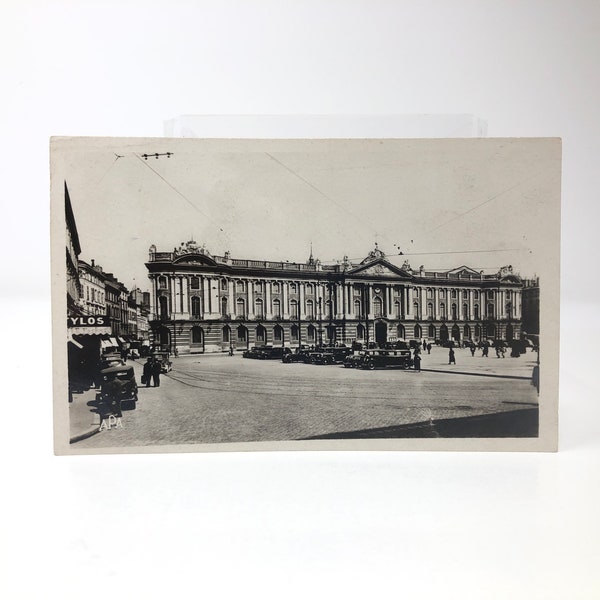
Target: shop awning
112	342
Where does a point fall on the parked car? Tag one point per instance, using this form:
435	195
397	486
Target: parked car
353	361
297	355
165	361
118	385
270	353
251	352
374	359
322	358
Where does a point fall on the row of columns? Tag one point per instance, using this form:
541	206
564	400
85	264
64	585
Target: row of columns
343	299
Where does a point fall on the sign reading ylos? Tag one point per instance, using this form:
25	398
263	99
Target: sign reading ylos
88	321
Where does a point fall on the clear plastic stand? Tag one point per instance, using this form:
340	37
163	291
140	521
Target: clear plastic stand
325	126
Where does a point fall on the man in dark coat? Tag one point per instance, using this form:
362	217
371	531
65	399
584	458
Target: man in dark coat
148	371
156	369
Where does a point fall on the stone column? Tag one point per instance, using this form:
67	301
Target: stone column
350	305
250	297
173	292
370	296
268	311
471	305
285	311
301	299
408	303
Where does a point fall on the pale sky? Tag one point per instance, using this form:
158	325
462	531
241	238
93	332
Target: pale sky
484	203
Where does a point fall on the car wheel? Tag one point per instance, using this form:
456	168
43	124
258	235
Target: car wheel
370	365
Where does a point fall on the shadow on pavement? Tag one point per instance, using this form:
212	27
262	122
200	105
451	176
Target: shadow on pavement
513	424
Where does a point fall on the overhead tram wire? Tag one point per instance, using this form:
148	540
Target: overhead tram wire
145	162
494	197
321	193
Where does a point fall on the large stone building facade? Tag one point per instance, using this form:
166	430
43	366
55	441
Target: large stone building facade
206	303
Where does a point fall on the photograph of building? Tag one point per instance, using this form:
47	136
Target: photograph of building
329	290
208	303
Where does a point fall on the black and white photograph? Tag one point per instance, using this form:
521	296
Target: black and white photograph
320	293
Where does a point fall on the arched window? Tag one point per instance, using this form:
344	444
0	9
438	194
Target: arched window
195	307
293	309
432	331
416	310
443	310
311	333
429	293
357	308
378	306
465	311
442	293
310	309
276	308
430	310
476	294
240	287
453	294
490	330
309	288
276	287
258	308
295	333
223	284
195	283
490	309
415	293
465	295
417	332
454	313
242	334
162	283
490	294
330	331
261	335
293	288
477	332
240	307
476	312
226	334
360	332
397	311
224	307
197	335
467	332
401	334
278	334
258	286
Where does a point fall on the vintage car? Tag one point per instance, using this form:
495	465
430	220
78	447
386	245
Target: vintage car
322	357
297	355
118	385
251	352
353	361
270	353
374	359
164	358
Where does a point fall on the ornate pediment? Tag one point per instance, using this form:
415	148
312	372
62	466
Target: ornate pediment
380	268
464	271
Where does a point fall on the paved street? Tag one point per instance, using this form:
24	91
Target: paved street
221	399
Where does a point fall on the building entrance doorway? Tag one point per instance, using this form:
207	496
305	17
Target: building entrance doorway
380	333
443	333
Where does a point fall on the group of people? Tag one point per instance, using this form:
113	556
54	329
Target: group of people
151	372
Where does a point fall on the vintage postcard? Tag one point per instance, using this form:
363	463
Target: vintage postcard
359	294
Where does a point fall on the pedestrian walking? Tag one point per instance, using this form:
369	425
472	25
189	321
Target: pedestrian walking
156	369
230	350
484	350
428	348
472	349
147	372
451	358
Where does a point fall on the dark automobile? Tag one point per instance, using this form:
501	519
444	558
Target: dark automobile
339	352
164	358
373	359
252	352
269	353
322	358
297	355
353	361
118	385
110	360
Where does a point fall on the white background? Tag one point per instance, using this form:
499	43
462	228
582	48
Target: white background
307	524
